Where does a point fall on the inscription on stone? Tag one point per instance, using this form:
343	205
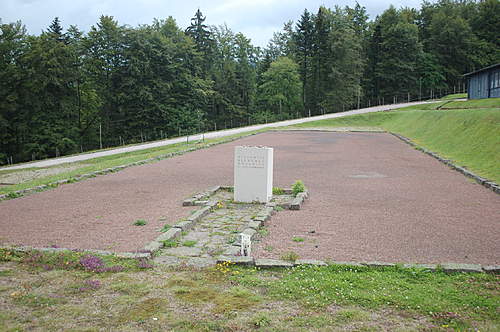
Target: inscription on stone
250	161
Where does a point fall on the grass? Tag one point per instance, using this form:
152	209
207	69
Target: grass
298	239
242	298
455	96
473	104
469	137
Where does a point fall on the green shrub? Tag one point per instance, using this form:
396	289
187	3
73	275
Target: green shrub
298	187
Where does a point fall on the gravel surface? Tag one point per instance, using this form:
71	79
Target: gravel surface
373	197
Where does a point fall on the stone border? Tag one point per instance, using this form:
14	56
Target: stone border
203	199
181	226
277	263
28	191
485	182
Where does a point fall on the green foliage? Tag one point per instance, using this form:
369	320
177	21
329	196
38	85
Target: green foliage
189	243
170	243
281	88
278	191
298	187
165	228
140	222
298	239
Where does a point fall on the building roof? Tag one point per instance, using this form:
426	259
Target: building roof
482	69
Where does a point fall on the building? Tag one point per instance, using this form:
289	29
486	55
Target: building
484	83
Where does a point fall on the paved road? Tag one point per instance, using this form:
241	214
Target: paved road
212	134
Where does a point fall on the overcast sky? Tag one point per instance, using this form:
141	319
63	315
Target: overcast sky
256	19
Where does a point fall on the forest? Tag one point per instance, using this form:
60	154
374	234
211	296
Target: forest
66	91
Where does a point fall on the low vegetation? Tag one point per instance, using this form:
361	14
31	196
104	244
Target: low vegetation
140	222
39	291
298	187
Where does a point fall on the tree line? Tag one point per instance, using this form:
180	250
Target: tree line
66	91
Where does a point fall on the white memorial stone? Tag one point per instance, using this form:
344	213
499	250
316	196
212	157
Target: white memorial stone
253	174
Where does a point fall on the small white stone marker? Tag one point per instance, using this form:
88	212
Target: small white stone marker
253	174
246	245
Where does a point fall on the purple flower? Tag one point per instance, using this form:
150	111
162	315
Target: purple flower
91	263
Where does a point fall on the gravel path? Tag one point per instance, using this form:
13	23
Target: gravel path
372	198
208	135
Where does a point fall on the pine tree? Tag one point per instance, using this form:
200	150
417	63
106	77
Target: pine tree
303	37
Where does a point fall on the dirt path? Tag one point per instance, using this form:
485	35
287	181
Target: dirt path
372	198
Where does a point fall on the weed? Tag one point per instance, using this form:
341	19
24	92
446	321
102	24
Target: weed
184	233
224	267
189	243
165	228
170	243
263	231
278	208
298	187
71	180
261	319
278	191
13	195
140	222
269	248
290	256
298	239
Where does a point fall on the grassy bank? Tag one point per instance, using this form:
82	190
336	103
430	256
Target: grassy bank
470	137
65	292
